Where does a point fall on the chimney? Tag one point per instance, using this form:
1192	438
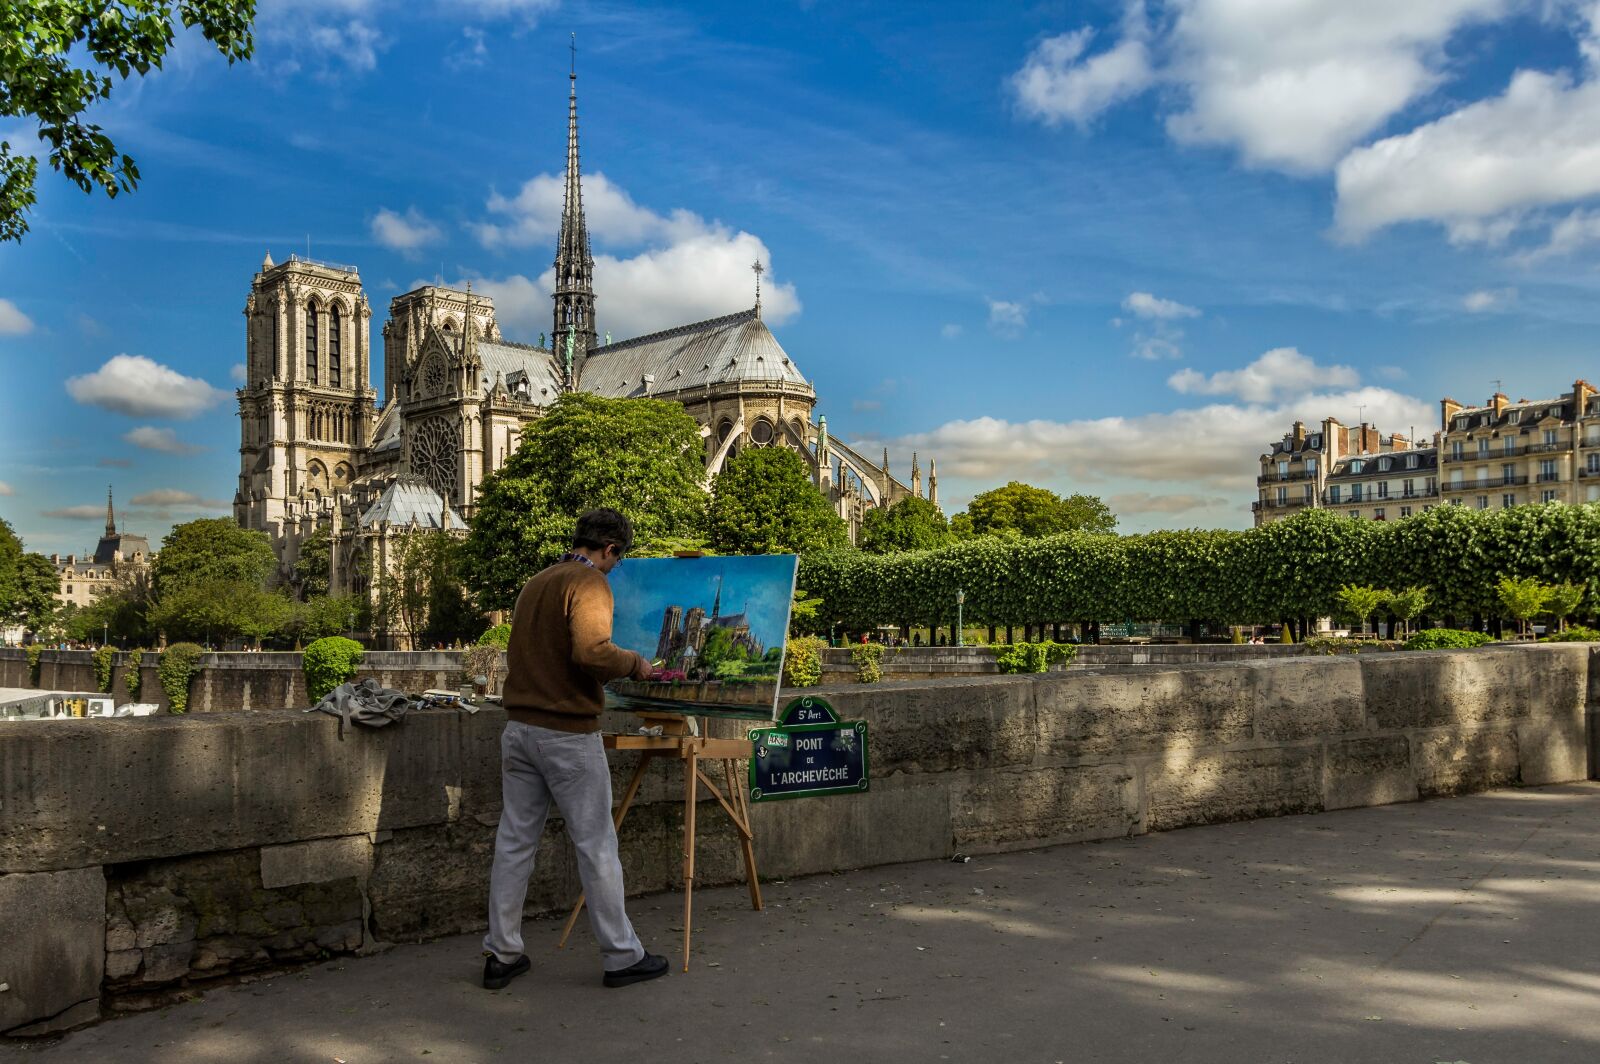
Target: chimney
1497	402
1448	408
1299	435
1399	442
1582	392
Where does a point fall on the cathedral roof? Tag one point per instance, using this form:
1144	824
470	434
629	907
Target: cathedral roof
509	360
410	499
386	433
726	350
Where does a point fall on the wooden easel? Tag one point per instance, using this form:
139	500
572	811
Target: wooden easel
676	742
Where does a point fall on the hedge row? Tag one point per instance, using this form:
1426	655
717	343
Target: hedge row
1290	569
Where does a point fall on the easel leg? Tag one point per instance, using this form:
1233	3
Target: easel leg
741	802
691	786
616	820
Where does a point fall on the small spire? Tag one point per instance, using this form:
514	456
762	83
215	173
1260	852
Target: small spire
266	262
759	270
111	520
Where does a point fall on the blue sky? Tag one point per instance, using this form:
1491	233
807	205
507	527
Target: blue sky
1111	247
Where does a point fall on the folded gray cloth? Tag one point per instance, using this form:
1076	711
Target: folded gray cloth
365	703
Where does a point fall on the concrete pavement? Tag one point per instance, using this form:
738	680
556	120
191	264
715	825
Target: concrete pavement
1465	929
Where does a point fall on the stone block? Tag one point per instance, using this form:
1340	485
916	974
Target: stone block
1373	770
1457	762
1455	688
1307	698
1110	714
1552	747
122	963
1186	787
316	861
902	818
1007	810
167	964
53	956
947	726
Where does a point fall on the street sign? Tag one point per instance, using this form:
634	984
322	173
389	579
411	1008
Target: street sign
811	753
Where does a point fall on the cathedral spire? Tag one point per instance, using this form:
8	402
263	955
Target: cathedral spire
111	519
574	266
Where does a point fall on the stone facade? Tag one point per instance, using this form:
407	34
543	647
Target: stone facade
119	556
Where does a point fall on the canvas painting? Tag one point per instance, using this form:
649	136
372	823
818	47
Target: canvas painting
714	629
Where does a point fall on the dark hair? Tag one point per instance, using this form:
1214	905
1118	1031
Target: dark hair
601	528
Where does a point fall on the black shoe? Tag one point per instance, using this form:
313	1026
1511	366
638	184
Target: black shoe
496	973
651	967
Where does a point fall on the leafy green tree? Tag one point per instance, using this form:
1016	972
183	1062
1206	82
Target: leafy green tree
1561	600
119	612
910	524
33	603
212	549
10	558
961	526
209	582
1036	512
421	596
1523	598
310	570
1408	604
763	502
1361	602
57	60
640	456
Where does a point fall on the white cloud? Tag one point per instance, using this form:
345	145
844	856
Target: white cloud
1290	84
1485	299
1577	230
1157	346
6	489
533	216
12	321
237	372
143	387
163	440
1277	374
1058	83
1213	447
1144	502
950	331
1474	169
85	512
470	51
174	497
1007	318
406	233
1145	305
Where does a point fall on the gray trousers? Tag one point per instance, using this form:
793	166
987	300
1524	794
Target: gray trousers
536	766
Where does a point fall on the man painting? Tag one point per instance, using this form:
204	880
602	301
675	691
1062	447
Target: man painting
560	657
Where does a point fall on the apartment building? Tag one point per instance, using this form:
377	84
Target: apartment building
1500	454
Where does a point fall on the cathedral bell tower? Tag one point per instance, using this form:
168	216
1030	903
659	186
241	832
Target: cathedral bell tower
573	334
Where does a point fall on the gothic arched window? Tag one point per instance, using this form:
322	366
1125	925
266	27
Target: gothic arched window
333	346
311	342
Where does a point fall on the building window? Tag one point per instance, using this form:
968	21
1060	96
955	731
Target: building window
1355	515
311	342
1383	490
1405	511
1314	441
1510	444
1457	478
1333	494
1355	493
1311	494
1461	422
1384	463
1483	447
1455	450
1547	469
1549	437
1411	461
69	589
1508	499
1283	470
1408	488
1516	416
1508	474
1357	465
333	346
1283	496
1549	496
1594	463
1483	502
1433	486
1377	515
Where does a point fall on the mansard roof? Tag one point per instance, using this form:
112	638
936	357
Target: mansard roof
509	360
727	350
410	499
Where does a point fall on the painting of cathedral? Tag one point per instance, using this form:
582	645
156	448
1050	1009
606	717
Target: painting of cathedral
318	450
714	628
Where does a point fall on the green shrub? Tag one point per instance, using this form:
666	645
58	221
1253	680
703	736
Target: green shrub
176	670
1576	634
132	679
498	636
1033	657
868	660
33	651
1323	644
105	661
329	662
802	662
1446	639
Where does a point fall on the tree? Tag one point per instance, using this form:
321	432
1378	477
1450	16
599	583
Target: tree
310	570
910	524
421	594
763	502
1561	600
1035	512
1408	604
34	601
10	558
1361	602
57	58
212	549
119	612
209	582
640	456
325	615
1523	598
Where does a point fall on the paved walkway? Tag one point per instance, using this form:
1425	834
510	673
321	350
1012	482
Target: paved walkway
1457	930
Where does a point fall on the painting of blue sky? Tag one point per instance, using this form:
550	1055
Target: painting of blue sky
761	588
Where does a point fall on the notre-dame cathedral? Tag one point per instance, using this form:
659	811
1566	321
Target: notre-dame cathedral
317	450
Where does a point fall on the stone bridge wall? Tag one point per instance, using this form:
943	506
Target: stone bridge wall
140	857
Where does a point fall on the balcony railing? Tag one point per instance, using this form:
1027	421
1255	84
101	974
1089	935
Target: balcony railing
1546	448
1547	478
1283	478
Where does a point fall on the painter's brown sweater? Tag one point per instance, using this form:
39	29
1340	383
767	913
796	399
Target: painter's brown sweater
561	653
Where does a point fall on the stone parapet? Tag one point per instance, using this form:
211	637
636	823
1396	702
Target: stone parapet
220	843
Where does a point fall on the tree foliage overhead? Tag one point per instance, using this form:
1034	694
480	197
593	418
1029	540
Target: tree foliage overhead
311	564
1023	510
910	524
60	57
643	457
210	583
763	502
